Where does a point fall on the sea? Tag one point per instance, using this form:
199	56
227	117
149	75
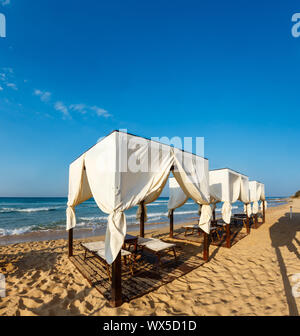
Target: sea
21	216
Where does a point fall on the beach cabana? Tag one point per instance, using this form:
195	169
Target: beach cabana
228	186
257	193
263	204
123	170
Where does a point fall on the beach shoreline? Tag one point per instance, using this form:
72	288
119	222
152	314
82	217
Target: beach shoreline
97	230
247	279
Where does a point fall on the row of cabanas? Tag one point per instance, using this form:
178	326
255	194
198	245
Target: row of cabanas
123	170
226	186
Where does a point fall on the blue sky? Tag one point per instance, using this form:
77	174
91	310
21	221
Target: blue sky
72	71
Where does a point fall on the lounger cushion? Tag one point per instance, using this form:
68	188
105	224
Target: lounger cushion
191	226
155	245
99	248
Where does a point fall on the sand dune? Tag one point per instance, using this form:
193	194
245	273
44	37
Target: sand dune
254	277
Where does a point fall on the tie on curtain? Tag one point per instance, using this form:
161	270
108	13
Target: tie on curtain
248	209
255	208
226	212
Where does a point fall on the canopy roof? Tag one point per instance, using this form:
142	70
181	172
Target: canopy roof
123	170
257	193
226	185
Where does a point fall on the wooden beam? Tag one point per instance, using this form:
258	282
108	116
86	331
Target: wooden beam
264	211
206	247
171	223
214	215
142	221
255	221
70	243
228	236
248	224
116	285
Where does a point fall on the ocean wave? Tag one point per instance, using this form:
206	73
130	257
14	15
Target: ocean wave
15	231
29	210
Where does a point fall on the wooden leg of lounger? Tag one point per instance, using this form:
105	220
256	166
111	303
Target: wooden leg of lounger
158	259
131	264
227	235
108	271
205	247
85	254
174	252
248	224
116	286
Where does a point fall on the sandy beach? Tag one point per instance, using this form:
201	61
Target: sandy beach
254	277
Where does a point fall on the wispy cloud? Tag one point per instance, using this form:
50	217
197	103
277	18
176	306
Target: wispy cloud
12	85
60	106
81	108
94	110
8	80
44	95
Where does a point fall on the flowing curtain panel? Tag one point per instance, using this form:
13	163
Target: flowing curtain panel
255	195
176	195
191	173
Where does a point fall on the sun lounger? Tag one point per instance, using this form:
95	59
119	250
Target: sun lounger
192	227
98	250
156	246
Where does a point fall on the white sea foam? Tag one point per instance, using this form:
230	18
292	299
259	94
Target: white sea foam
15	231
29	210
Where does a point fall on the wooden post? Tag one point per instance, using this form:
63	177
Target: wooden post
171	223
264	212
228	235
206	247
116	285
248	224
214	215
142	221
70	242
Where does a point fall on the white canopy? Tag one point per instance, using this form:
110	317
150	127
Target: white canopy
122	170
257	193
226	186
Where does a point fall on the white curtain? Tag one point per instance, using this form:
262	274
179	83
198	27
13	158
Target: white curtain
79	190
191	173
176	195
255	195
225	186
248	209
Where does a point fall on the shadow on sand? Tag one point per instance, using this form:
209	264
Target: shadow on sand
283	233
